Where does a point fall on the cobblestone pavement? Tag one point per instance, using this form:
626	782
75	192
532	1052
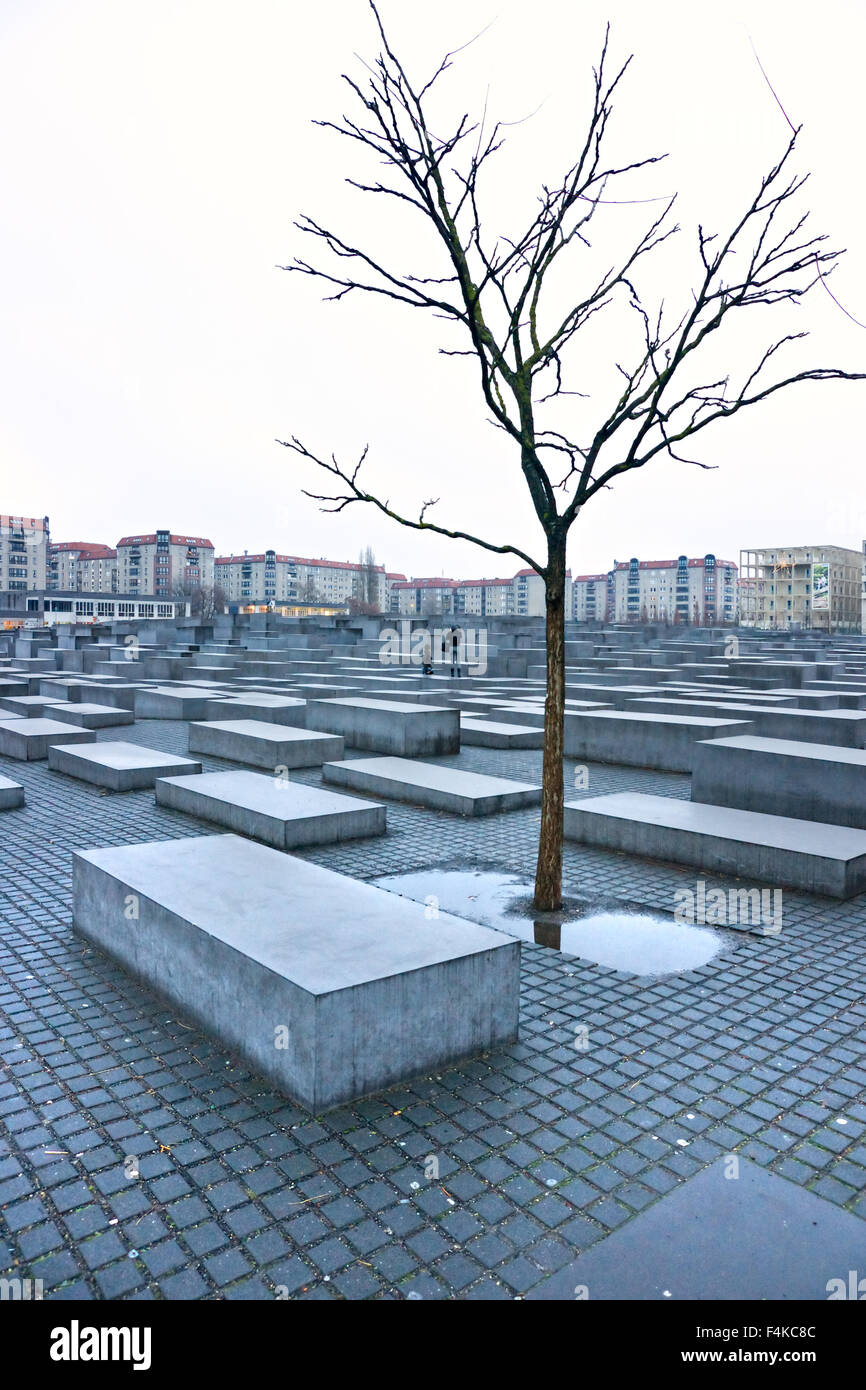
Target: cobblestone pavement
542	1148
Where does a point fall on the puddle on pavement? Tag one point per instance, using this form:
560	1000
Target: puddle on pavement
641	943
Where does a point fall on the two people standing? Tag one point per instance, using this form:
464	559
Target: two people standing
451	647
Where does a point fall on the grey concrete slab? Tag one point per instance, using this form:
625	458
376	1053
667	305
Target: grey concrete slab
328	987
30	739
117	694
274	709
732	1232
31	706
11	794
488	733
260	744
809	781
88	716
430	784
117	765
779	850
171	702
275	810
388	726
662	741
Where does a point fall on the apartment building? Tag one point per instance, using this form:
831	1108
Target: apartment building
805	586
85	567
162	563
24	542
701	591
521	596
269	576
529	594
589	598
418	597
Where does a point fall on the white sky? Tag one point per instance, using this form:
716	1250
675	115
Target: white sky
155	156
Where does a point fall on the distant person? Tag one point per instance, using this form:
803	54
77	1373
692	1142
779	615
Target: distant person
427	655
455	637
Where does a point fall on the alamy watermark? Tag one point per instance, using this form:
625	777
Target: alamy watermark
713	907
426	646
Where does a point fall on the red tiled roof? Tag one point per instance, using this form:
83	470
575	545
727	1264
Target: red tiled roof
296	560
88	550
174	540
36	523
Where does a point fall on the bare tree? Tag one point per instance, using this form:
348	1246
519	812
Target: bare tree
368	581
205	600
503	296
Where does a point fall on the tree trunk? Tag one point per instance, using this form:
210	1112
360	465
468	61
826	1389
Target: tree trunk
548	874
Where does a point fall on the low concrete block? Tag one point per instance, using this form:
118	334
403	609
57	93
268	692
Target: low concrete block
488	733
278	812
428	784
388	726
791	853
11	794
30	739
88	716
665	742
30	706
809	781
121	767
166	702
273	709
330	988
259	744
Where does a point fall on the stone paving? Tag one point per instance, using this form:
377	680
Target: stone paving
139	1160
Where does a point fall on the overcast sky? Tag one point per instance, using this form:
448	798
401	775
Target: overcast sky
155	157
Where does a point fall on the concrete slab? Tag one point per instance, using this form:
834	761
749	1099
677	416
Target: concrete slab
88	716
665	742
809	781
11	794
30	706
279	812
30	739
171	702
259	744
388	726
773	849
488	733
428	784
119	766
330	988
274	709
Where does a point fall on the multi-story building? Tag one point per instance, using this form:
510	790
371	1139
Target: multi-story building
162	563
420	597
806	586
522	596
529	594
84	566
24	544
589	598
391	595
700	591
268	577
484	598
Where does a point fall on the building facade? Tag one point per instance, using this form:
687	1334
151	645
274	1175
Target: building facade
805	586
702	592
269	576
162	563
86	567
589	598
24	542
